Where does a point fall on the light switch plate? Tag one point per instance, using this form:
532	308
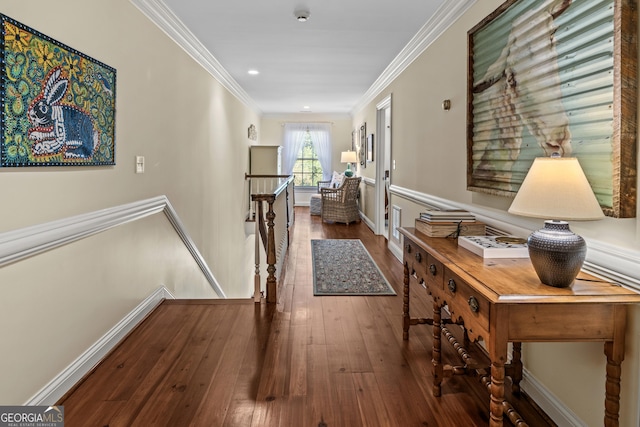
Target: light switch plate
139	164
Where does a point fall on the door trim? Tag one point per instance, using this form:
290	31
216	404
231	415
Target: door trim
380	157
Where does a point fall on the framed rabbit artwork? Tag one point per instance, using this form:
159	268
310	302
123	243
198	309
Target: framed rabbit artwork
58	105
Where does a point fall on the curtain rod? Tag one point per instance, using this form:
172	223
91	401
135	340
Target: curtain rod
284	123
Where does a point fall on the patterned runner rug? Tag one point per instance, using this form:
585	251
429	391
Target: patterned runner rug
344	267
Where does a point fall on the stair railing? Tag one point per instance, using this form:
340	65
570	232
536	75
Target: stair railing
272	201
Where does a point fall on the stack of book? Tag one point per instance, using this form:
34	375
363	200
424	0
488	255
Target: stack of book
456	215
449	223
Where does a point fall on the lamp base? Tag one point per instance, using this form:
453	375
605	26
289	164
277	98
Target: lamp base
348	173
557	254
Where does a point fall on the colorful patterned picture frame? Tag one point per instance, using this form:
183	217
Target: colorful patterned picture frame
57	104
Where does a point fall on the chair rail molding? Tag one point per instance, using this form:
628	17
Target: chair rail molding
612	262
368	181
26	242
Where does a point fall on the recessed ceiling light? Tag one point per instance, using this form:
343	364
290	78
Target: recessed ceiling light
301	15
254	72
306	107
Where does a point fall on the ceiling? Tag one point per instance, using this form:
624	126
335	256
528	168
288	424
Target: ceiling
328	63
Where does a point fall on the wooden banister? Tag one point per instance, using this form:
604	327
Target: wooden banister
272	226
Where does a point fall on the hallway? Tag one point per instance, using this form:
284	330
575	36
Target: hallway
307	361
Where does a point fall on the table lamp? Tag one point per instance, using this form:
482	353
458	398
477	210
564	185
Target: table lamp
348	157
556	187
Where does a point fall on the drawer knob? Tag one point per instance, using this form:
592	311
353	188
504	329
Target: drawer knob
418	256
408	248
452	285
432	269
473	304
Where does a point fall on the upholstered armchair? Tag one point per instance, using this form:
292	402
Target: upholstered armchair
323	184
341	204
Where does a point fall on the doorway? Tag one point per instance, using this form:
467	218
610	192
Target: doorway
383	166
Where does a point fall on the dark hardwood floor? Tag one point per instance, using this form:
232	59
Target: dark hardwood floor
306	361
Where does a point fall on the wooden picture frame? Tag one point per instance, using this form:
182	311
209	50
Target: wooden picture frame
362	152
370	148
555	76
252	133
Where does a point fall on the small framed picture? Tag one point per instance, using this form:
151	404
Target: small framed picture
370	148
362	157
354	136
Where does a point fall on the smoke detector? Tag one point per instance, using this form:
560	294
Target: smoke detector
301	15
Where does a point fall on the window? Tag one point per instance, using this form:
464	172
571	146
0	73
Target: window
307	152
307	168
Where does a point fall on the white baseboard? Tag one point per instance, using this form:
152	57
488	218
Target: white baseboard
549	403
73	373
396	250
368	221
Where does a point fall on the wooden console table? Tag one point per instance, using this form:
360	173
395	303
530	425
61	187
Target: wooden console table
502	301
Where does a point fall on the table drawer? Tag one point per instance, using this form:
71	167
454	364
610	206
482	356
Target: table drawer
416	258
434	275
465	302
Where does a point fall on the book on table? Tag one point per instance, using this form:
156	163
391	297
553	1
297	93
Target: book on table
449	228
450	215
495	246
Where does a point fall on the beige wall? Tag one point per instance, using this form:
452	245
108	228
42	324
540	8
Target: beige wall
429	147
193	134
169	109
56	305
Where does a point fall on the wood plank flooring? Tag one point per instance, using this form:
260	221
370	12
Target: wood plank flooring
305	361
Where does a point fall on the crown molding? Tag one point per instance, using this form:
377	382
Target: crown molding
169	23
166	20
444	17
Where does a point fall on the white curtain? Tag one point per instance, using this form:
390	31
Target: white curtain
293	139
320	137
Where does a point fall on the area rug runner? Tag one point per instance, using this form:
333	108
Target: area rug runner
344	267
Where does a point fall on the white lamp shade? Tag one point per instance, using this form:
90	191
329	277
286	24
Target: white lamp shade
348	157
556	188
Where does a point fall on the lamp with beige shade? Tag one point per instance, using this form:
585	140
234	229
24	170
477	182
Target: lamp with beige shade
557	188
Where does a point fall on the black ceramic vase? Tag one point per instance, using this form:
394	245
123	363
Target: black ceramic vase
557	254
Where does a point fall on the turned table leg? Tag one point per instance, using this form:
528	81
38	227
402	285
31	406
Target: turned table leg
614	350
498	345
436	357
516	361
406	320
497	394
612	388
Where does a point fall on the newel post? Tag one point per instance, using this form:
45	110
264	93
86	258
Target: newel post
271	253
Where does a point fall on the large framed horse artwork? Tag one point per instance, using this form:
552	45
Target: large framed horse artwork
555	77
